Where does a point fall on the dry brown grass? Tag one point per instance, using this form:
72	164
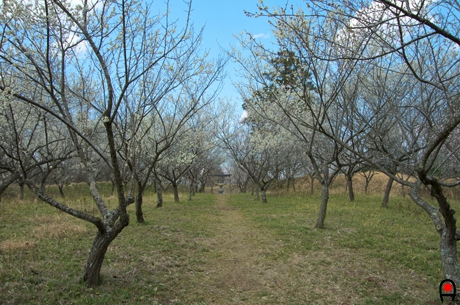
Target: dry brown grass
46	226
58	230
17	245
376	186
58	226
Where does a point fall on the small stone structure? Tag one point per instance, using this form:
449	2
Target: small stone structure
220	180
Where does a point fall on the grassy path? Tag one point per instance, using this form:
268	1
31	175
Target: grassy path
233	275
250	263
225	249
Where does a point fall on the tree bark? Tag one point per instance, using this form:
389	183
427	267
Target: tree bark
61	189
323	207
386	196
264	196
366	186
191	190
351	193
21	190
43	185
159	198
97	255
139	212
113	187
176	192
312	184
368	177
446	229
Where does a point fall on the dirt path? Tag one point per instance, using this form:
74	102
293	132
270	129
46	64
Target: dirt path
238	270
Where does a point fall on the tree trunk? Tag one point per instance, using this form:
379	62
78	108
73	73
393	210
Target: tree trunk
264	195
139	200
191	190
113	188
351	193
201	186
446	229
386	196
176	192
449	259
366	186
21	191
96	257
368	177
257	194
323	207
159	198
61	189
139	212
448	245
312	184
43	185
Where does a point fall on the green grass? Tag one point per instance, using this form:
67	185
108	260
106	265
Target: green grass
365	255
400	239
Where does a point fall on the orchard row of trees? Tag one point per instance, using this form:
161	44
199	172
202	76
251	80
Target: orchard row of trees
104	90
352	85
115	90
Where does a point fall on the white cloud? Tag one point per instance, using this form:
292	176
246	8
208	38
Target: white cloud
262	35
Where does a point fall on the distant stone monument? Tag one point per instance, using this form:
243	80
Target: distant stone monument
220	180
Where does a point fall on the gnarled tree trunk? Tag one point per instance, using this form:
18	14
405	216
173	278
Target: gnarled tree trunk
446	229
97	254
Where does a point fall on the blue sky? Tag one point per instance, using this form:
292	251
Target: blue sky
224	18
